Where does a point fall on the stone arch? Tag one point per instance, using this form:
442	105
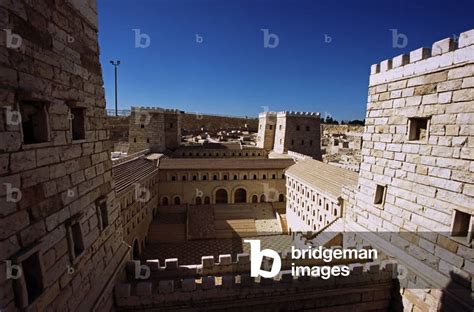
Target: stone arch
165	201
207	200
221	195
198	200
176	200
239	194
254	198
281	197
263	198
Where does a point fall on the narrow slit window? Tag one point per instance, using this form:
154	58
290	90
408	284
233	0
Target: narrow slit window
78	125
379	194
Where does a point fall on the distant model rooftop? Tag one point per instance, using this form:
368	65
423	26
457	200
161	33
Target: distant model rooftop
326	178
225	164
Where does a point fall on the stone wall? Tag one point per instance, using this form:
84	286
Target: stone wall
197	121
225	285
417	175
268	183
266	130
154	128
59	224
299	132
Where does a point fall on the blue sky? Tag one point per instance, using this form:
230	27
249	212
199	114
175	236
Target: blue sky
232	73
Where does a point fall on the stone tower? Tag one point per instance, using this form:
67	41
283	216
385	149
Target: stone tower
416	176
298	132
155	128
60	230
266	130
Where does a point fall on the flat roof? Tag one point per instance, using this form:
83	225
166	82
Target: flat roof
130	172
223	163
323	177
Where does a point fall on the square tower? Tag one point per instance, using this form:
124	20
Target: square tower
172	126
266	130
298	132
146	130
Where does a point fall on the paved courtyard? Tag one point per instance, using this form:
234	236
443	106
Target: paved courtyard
190	252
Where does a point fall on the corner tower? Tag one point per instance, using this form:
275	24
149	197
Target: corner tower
266	130
298	132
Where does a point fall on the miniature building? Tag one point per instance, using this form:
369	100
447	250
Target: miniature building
416	175
314	192
221	181
266	130
290	131
60	227
155	128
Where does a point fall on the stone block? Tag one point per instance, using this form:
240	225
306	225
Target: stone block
208	282
400	60
144	289
153	264
374	69
171	264
419	54
166	287
443	46
188	284
122	290
243	258
466	38
385	65
225	259
207	262
228	281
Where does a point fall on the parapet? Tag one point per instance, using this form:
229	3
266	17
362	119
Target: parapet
267	114
298	114
443	53
156	109
148	293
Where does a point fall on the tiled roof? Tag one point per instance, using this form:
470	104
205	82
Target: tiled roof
224	164
130	172
324	177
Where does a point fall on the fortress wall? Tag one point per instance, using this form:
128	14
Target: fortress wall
416	174
59	223
368	287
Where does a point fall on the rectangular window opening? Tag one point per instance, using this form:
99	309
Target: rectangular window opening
462	226
418	129
34	122
379	194
78	124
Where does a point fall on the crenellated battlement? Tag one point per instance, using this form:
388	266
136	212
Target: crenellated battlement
156	110
224	265
147	293
443	53
297	114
